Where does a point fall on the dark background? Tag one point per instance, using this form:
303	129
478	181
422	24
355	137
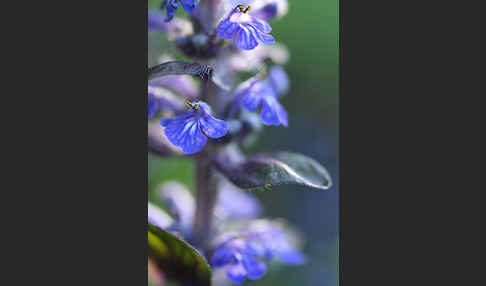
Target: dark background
310	31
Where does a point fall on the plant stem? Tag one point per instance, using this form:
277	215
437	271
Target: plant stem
205	197
206	182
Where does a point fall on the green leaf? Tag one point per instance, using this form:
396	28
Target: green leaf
268	170
178	260
178	68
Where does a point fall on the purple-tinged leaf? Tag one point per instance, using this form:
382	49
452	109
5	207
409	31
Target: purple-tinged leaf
264	171
177	68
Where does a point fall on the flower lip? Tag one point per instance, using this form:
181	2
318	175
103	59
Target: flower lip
190	129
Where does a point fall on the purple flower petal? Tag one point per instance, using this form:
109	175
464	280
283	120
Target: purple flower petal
268	12
249	31
153	106
251	101
253	97
256	248
234	203
273	113
222	256
181	84
161	98
227	29
236	273
278	79
179	201
171	8
246	39
260	25
158	217
212	127
262	38
184	131
189	5
156	20
255	269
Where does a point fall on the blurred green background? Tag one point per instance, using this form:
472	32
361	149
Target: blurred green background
310	31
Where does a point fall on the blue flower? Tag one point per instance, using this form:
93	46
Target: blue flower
158	217
181	84
240	260
275	243
234	203
172	5
249	30
175	28
273	240
242	255
189	130
269	9
180	203
264	91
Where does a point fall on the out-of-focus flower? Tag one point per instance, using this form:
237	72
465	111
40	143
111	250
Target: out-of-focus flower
238	257
234	203
172	5
159	98
248	61
174	29
189	130
181	84
158	217
264	91
153	106
273	240
242	254
248	30
269	9
180	203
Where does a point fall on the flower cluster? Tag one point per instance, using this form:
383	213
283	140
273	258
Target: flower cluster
238	92
191	129
242	243
243	255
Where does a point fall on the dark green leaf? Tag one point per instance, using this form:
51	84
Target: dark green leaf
178	260
268	170
178	68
